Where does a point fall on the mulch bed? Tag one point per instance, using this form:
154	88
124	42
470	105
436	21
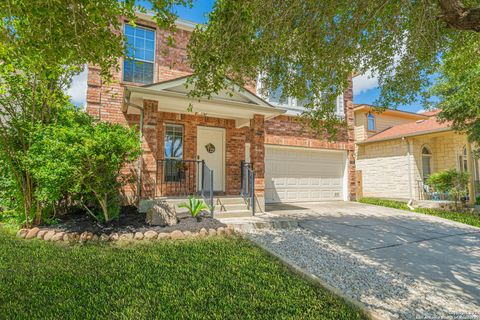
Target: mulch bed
129	221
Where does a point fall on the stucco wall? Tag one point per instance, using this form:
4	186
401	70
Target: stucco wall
384	167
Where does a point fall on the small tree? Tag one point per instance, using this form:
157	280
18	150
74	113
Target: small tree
80	160
450	181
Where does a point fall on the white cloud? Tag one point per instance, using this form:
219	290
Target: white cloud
78	89
421	111
364	82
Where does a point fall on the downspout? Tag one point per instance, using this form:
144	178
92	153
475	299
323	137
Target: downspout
139	165
409	166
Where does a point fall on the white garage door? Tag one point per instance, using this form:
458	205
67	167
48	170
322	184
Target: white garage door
303	174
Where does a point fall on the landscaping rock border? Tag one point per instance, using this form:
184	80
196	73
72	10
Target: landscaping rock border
150	235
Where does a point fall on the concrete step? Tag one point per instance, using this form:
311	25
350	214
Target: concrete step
231	207
233	214
229	200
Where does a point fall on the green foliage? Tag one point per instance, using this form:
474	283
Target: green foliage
80	160
43	44
194	206
385	203
450	181
312	47
470	218
66	276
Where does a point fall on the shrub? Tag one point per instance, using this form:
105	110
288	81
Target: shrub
194	206
450	181
77	160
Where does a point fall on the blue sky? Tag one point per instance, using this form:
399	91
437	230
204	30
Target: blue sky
365	88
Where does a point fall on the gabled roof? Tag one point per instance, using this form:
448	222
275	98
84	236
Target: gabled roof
235	103
431	113
410	129
391	112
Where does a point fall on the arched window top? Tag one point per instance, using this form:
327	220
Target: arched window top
370	122
465	151
426	151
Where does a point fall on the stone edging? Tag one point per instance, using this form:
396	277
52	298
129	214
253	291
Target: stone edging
150	235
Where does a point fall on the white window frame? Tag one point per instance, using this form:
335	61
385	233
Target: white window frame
371	116
154	62
292	104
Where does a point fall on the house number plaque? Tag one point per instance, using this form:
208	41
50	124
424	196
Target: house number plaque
210	148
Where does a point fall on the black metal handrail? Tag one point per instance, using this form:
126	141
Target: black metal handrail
178	177
206	189
247	191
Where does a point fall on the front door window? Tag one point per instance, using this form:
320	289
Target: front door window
173	151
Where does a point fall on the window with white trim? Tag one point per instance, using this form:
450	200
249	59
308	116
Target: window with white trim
370	122
139	60
426	162
293	105
173	151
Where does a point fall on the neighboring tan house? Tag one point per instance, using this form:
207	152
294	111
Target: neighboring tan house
398	150
229	145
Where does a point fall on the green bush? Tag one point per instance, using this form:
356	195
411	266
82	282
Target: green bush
77	160
450	181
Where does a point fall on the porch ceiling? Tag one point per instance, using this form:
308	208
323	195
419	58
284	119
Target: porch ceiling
172	96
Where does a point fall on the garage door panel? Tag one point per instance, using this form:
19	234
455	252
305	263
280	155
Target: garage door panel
294	175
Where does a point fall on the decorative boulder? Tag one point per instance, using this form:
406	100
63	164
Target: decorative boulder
177	235
150	235
163	235
32	233
22	233
48	236
161	214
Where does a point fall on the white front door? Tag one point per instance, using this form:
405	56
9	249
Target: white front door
211	148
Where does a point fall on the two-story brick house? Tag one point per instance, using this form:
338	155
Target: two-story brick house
247	141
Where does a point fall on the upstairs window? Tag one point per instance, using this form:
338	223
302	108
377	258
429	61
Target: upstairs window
293	105
370	122
140	56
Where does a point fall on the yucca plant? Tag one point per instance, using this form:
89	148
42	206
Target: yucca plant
194	206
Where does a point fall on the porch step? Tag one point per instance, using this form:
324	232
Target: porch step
229	200
233	214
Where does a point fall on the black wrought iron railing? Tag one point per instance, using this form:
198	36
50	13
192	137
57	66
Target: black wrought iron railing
181	178
247	190
206	185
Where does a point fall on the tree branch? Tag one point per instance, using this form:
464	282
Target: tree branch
456	16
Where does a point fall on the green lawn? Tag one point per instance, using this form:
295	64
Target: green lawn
470	218
214	278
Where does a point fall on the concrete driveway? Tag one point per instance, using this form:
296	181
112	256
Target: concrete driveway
399	264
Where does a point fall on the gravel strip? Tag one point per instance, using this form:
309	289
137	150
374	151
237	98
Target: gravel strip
388	293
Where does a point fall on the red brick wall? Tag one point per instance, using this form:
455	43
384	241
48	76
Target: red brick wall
105	101
235	140
289	131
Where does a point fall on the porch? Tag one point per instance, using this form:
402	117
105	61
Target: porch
438	152
207	147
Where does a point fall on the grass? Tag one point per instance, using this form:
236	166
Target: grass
213	278
470	218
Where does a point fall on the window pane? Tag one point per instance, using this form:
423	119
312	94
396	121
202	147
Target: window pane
149	45
140	32
173	142
150	35
140	44
129	30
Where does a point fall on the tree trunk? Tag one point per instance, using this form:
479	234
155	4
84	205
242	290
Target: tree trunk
456	16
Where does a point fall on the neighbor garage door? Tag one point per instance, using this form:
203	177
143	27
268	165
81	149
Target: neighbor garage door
303	174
